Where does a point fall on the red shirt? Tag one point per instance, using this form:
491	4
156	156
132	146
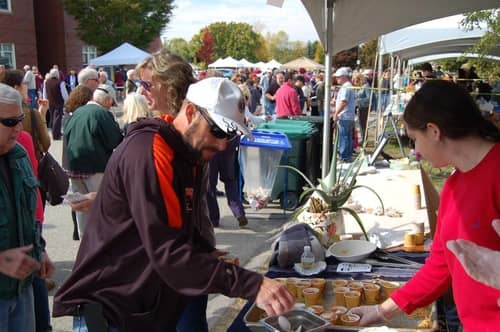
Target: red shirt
26	141
469	202
287	101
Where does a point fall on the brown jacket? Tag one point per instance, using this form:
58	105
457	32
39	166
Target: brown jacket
37	128
142	254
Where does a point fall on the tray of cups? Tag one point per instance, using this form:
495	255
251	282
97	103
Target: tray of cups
331	300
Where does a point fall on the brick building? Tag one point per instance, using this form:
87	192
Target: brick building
39	32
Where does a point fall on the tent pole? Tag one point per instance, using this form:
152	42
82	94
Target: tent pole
325	161
379	86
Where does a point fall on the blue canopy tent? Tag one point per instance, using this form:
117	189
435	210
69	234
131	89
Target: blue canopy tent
125	54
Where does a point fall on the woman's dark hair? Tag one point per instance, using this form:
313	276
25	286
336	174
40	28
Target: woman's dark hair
13	77
451	108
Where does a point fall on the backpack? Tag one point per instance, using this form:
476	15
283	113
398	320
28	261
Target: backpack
288	247
53	179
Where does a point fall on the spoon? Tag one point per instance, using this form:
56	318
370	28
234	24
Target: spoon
284	324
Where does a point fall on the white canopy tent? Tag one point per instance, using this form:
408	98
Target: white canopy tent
434	57
342	24
125	54
426	39
217	64
247	64
273	64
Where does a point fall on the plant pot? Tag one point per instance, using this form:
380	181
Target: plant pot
327	225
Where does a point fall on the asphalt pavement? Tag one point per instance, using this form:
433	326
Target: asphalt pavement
251	244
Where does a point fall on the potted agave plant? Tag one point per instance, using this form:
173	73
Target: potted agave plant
326	203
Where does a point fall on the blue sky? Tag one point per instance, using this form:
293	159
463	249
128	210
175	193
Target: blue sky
190	16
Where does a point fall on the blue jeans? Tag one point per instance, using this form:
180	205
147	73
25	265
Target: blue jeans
34	98
79	325
194	317
269	108
41	301
18	313
345	128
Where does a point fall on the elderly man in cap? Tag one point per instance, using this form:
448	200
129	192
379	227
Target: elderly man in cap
21	254
142	256
91	135
345	108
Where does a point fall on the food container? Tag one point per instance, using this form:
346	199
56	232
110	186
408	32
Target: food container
306	319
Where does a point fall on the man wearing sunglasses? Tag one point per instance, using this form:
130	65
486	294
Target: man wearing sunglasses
141	257
20	250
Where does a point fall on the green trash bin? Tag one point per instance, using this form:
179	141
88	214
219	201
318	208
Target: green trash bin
299	135
313	166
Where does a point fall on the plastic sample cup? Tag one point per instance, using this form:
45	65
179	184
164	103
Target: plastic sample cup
339	283
372	293
319	283
352	299
291	285
389	288
312	296
350	319
339	295
300	286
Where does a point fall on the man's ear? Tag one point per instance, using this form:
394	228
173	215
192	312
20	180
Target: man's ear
190	112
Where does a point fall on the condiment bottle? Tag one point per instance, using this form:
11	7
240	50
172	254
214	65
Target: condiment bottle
307	259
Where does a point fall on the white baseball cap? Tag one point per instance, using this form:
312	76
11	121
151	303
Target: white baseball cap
108	90
343	71
224	102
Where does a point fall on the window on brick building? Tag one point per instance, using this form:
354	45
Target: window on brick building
7	52
5	6
88	53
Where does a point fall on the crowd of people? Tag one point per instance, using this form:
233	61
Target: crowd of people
148	257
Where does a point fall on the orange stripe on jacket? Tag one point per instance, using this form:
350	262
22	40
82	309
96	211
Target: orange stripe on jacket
163	156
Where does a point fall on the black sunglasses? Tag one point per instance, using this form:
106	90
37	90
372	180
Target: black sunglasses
215	129
12	122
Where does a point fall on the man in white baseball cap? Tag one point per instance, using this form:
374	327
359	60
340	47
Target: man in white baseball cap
222	104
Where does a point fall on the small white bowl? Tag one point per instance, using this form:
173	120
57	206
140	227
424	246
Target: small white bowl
351	250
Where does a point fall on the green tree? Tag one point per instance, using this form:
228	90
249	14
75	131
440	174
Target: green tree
278	45
107	24
367	53
230	39
181	47
490	21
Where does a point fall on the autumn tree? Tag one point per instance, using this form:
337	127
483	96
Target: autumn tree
181	47
107	24
319	52
206	50
262	52
230	39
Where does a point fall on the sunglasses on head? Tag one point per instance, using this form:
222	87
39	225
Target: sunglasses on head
12	122
215	130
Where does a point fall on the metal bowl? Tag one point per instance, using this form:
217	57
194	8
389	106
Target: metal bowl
297	317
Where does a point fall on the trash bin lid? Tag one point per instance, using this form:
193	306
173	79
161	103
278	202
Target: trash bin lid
290	131
267	140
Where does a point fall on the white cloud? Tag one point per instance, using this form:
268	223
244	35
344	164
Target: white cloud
190	16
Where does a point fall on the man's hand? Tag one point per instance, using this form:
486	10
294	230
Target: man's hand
480	263
86	204
369	314
46	268
17	264
274	298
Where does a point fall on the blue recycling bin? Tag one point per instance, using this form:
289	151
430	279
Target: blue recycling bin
259	160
